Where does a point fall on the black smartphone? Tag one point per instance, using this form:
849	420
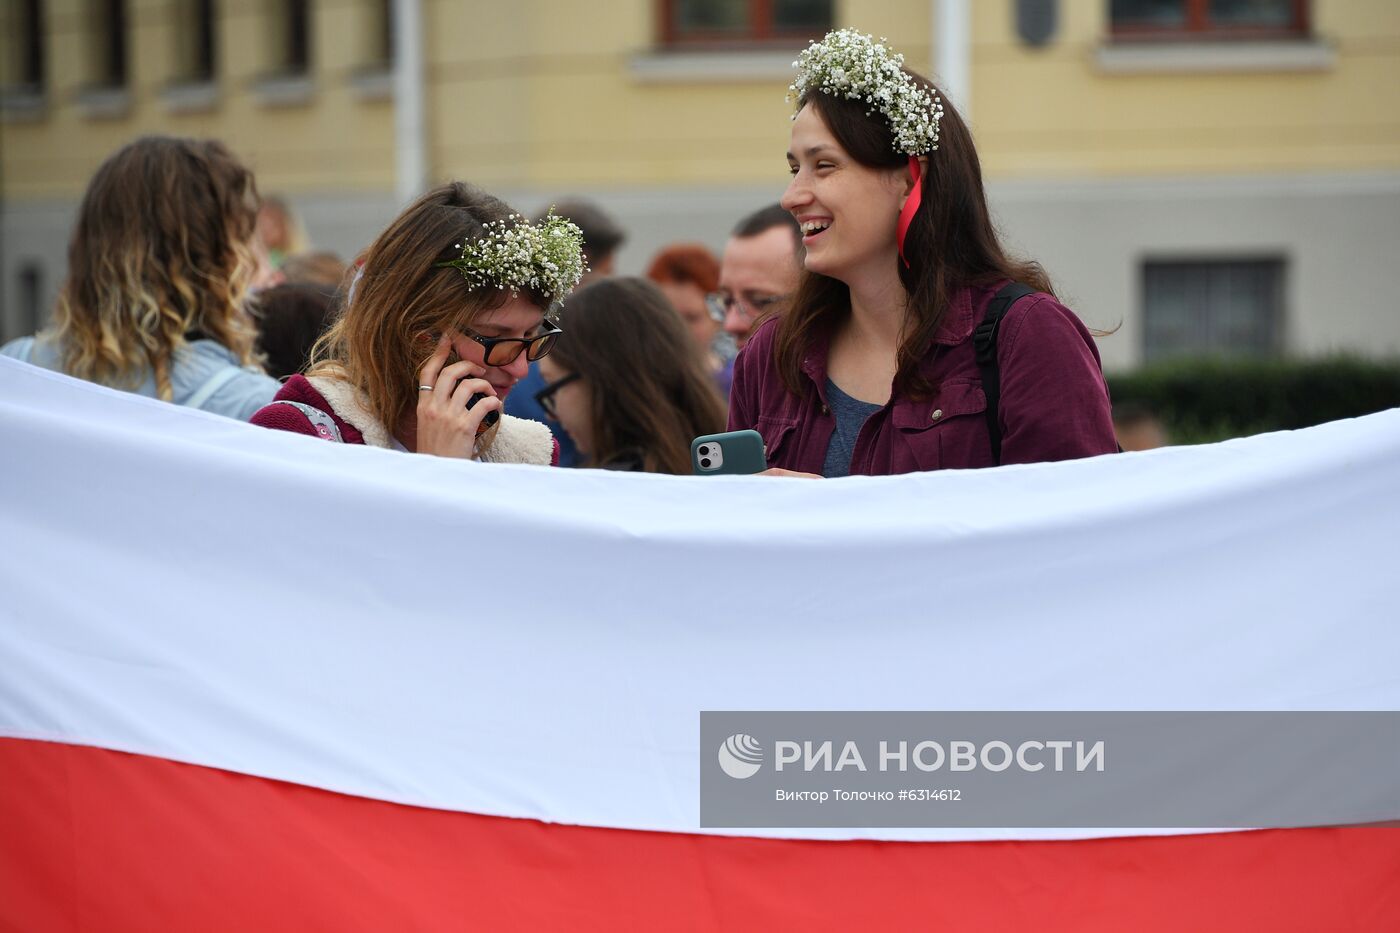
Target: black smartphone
491	417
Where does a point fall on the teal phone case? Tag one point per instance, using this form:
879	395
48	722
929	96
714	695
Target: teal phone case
733	452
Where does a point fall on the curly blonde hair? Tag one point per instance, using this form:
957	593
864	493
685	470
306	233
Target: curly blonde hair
161	255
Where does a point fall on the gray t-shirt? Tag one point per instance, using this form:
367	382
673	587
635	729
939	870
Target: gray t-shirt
850	414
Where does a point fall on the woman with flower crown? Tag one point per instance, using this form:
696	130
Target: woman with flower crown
873	367
451	302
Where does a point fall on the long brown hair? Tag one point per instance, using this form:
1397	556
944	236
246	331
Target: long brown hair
651	394
160	255
951	242
401	294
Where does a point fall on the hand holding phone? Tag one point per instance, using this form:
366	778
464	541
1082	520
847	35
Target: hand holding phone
491	416
455	405
730	453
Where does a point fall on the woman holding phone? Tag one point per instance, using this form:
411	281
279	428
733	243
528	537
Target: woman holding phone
873	368
451	303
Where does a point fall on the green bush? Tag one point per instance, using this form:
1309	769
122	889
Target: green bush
1204	400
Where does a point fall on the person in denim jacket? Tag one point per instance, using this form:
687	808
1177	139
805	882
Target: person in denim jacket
872	369
159	268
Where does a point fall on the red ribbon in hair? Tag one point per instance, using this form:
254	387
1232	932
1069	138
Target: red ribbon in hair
911	207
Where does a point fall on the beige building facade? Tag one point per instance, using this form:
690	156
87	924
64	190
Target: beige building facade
1222	180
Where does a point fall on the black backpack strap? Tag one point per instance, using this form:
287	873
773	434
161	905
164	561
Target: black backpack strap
984	340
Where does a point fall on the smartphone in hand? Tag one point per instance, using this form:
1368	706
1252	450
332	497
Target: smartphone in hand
491	416
730	453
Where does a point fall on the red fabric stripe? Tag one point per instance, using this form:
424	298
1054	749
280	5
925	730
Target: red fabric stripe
910	208
92	839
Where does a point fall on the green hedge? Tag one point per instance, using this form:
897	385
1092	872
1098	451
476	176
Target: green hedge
1204	400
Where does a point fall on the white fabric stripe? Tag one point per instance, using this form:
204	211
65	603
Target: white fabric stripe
537	643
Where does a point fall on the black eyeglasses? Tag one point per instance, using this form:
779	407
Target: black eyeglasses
545	396
750	304
502	351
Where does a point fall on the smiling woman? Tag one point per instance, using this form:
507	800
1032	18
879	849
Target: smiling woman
451	303
874	367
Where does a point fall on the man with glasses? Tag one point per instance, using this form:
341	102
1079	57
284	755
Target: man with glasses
758	271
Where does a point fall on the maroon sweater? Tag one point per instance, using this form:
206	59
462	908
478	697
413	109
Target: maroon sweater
288	418
1054	402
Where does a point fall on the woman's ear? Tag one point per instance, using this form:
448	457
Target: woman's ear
909	176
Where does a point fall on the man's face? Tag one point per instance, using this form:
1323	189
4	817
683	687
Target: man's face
757	275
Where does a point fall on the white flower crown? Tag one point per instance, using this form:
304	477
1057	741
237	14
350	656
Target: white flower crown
853	65
515	254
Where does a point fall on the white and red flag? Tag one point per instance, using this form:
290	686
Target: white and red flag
252	680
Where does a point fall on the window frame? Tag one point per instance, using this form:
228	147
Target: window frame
761	31
379	49
29	282
112	64
28	67
196	43
297	37
1198	27
1210	268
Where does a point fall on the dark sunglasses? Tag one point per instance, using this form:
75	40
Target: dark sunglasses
545	396
502	351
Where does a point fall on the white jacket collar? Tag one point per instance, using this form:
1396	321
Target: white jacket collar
514	440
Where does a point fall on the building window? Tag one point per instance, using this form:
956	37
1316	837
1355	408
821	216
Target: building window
743	22
373	76
379	47
295	38
386	32
110	62
1212	308
286	79
31	297
23	61
195	38
1208	19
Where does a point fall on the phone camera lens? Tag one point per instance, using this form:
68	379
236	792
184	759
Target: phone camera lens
704	450
705	463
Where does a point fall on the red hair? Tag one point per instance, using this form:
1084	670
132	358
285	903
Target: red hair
686	262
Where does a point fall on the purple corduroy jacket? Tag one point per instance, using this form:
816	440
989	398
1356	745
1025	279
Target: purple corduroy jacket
1054	401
